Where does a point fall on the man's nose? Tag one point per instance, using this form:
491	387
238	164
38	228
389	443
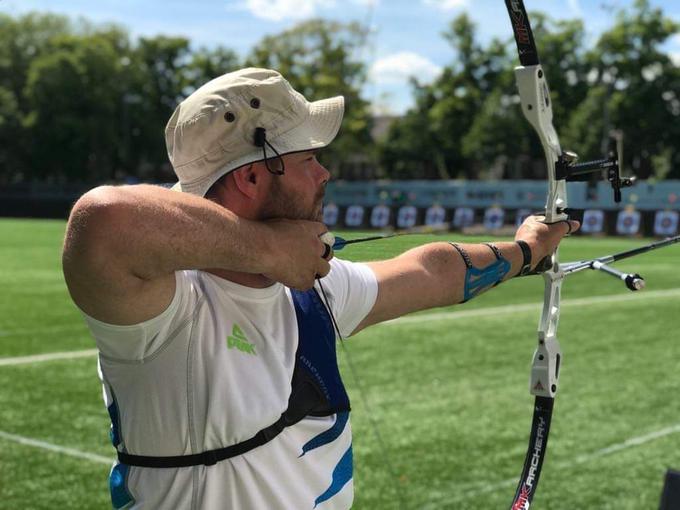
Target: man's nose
323	173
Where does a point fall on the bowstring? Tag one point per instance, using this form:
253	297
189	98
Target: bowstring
384	452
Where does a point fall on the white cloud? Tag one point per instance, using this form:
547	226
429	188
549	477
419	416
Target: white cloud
446	5
675	57
278	10
399	67
575	6
676	39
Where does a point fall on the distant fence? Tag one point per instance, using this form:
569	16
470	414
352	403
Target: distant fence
39	200
513	198
646	195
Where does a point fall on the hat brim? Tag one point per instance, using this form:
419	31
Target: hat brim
317	131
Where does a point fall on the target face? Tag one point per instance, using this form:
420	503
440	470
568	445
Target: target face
406	217
354	216
380	216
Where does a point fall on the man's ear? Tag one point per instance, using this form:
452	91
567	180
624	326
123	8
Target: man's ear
247	179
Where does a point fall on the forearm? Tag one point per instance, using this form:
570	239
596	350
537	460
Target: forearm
433	275
155	231
474	269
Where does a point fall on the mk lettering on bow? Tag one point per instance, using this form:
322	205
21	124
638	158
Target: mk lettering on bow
519	23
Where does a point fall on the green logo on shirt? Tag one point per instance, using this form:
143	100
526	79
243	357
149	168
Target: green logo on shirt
239	341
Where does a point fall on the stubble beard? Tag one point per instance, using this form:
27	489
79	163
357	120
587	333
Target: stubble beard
290	205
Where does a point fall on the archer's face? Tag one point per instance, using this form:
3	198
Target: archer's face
298	194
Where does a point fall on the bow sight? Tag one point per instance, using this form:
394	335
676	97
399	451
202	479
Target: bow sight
567	169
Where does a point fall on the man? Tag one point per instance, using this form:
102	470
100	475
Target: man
216	318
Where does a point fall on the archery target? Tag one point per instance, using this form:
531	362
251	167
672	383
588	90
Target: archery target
354	216
628	222
521	215
665	223
463	217
593	221
330	214
406	217
380	216
493	218
435	215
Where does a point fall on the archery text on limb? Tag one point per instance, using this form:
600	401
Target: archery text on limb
437	274
123	245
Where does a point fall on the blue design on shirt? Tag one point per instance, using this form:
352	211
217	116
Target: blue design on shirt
327	436
341	475
120	495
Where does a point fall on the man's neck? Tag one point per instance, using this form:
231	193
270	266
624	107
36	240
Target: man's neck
256	281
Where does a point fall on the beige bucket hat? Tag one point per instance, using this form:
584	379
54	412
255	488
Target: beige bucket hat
212	131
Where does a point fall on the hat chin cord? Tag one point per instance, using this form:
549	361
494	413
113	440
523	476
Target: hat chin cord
261	141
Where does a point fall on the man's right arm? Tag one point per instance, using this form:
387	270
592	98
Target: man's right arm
124	244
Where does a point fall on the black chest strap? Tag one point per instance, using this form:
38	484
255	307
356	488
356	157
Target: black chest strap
305	399
316	389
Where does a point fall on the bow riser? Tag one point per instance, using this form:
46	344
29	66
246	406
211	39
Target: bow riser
534	95
545	368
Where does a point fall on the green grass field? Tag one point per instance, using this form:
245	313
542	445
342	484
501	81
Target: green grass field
448	390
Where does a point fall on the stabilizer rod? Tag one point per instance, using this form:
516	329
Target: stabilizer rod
632	280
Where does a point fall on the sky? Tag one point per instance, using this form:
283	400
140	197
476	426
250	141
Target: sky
405	34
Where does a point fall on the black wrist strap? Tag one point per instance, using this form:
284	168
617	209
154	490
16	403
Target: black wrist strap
526	255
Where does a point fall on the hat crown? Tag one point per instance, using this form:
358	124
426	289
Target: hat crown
218	120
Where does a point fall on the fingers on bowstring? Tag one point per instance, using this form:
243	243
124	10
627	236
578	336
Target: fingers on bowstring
328	240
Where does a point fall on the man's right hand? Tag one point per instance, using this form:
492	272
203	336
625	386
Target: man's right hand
297	253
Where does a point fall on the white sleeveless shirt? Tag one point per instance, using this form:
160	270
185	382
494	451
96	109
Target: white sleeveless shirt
211	371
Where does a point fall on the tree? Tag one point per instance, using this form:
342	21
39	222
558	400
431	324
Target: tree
500	143
205	65
155	88
21	41
428	141
634	87
72	93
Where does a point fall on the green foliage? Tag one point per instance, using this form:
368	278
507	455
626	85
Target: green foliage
427	142
642	86
468	122
71	94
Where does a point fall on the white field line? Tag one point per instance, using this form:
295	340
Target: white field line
32	331
530	307
51	356
580	459
71	452
427	317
